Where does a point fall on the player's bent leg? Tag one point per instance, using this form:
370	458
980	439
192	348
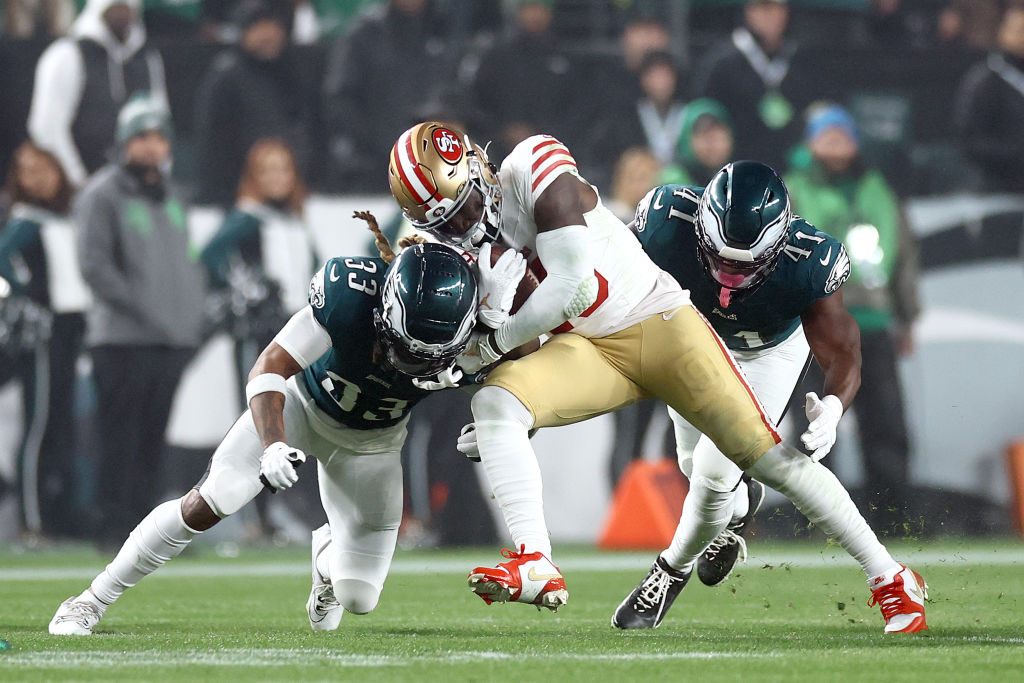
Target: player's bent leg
822	499
687	437
233	477
729	547
685	364
502	428
231	481
707	511
567	380
362	496
774	374
158	538
322	607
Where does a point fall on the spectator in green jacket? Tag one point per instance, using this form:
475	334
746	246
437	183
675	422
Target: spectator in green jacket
705	144
836	190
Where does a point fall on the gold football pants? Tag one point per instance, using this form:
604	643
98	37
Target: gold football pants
674	357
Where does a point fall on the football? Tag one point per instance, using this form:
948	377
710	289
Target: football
527	285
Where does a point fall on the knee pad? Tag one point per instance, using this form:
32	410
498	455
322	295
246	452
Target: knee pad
226	493
497	404
357	597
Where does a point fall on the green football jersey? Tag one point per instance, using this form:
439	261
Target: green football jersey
347	382
811	266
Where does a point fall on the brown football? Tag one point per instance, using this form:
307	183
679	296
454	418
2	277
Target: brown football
526	285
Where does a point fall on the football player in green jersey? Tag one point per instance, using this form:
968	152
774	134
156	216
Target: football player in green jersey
337	382
769	284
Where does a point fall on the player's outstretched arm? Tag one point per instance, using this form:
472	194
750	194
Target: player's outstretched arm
268	406
300	342
834	339
265	394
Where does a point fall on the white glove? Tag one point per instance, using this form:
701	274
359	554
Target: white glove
446	379
277	466
480	353
467	443
823	415
496	285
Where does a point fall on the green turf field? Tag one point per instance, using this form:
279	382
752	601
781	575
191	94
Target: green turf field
792	613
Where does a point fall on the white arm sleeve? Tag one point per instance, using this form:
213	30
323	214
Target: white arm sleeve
569	288
57	93
304	338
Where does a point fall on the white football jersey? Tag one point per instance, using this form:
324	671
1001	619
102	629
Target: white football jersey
630	286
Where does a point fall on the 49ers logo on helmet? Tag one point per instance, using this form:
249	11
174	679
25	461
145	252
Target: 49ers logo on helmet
447	145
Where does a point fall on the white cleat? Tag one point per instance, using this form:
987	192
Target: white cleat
322	607
75	617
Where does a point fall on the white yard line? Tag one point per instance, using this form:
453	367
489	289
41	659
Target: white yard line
290	657
831	557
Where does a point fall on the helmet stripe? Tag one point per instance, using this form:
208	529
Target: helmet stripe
411	174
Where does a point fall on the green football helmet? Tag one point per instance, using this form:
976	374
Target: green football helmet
427	310
742	225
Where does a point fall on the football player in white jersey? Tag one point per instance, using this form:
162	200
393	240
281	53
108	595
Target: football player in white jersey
623	330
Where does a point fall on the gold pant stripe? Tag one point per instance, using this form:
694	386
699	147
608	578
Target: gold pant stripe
674	357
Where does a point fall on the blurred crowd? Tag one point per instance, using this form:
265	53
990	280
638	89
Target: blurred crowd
119	115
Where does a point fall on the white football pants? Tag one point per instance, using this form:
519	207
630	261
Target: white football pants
360	475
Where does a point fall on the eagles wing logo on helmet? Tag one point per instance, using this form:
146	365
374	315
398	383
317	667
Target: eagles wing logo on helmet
448	145
427	310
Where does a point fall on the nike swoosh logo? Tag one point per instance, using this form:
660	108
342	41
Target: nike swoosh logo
915	592
334	273
668	316
532	575
657	201
828	257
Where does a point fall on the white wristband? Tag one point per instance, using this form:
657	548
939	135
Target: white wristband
261	384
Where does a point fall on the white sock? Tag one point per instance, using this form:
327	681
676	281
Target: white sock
741	502
323	562
822	499
707	510
502	428
159	537
323	555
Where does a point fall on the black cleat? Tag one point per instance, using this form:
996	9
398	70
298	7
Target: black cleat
646	606
716	562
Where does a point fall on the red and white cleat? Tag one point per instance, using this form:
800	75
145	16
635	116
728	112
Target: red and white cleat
526	577
901	596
